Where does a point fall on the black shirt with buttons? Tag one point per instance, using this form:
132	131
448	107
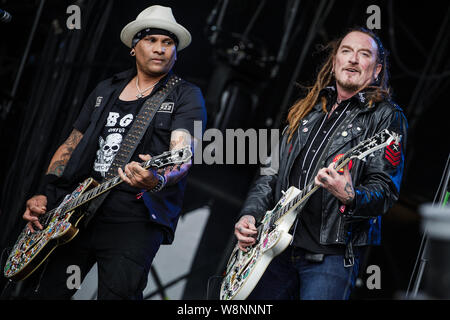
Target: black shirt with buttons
180	109
307	228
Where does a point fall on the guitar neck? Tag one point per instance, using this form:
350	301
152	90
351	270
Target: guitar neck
305	193
361	151
104	187
165	159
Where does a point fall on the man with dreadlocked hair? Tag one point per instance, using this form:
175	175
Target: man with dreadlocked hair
349	102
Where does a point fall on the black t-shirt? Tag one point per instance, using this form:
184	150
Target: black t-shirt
122	199
307	228
179	111
118	123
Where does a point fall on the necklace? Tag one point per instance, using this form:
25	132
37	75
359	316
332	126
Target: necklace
141	92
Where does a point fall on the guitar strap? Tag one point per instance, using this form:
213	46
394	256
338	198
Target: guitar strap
133	137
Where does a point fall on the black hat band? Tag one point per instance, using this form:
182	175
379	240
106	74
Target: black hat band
151	31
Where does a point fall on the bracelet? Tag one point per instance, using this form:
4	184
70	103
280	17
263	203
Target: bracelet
161	183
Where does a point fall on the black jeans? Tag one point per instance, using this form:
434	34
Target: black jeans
123	252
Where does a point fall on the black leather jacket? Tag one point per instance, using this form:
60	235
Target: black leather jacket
376	180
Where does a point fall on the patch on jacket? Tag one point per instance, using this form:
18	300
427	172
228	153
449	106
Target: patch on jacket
98	101
166	107
393	153
350	163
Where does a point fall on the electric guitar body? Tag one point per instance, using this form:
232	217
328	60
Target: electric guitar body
60	225
245	269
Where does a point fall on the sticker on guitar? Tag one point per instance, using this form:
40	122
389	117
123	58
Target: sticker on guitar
60	224
244	269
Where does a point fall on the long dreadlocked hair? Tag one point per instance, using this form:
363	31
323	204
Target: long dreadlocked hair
379	91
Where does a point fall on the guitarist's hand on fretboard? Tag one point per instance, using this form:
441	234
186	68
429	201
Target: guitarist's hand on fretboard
245	232
138	177
340	185
34	208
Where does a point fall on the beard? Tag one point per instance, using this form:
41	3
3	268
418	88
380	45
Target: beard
349	86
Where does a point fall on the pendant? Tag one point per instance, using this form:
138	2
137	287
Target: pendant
139	95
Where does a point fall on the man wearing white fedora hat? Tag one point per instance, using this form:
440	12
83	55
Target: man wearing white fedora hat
141	214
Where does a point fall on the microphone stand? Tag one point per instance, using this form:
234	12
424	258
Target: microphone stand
424	243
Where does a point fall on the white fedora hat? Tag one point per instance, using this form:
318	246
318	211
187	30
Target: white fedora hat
156	17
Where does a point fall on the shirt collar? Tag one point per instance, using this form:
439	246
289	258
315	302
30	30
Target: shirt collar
130	73
330	93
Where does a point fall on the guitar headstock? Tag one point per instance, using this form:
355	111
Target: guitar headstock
378	141
170	158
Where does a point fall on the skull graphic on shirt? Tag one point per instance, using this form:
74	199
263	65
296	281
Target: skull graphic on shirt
107	152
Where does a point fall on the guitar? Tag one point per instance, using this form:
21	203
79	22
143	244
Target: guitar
60	224
244	269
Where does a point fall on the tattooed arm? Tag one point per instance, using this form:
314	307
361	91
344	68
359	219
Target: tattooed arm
137	177
37	205
179	139
340	186
63	154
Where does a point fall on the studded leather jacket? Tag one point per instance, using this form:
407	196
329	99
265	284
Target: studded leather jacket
376	180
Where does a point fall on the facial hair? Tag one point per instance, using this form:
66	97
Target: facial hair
348	86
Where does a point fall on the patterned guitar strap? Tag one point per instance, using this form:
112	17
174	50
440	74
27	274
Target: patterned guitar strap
133	137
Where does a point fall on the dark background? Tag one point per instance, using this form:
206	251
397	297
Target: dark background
247	60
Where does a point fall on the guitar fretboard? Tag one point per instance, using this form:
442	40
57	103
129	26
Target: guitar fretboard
360	151
304	194
167	158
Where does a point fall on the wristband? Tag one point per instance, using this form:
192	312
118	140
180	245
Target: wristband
161	183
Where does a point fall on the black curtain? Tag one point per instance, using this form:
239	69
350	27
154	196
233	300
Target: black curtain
62	74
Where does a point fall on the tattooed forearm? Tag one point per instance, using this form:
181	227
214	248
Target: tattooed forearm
63	154
177	142
57	167
350	193
73	138
179	139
